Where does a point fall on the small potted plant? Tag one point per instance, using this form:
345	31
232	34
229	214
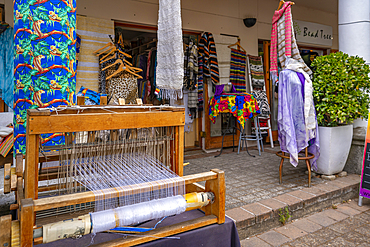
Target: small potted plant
341	94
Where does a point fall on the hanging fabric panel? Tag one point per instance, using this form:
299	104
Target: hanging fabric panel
237	70
45	62
7	66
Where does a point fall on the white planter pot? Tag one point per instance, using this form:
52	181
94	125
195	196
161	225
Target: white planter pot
335	143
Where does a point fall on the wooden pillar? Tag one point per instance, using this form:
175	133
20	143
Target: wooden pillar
217	186
31	170
27	219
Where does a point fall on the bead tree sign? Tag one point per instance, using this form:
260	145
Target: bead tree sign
365	176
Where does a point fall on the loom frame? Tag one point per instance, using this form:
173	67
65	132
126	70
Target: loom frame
92	118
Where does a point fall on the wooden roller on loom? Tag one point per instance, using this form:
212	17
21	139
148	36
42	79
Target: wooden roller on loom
129	168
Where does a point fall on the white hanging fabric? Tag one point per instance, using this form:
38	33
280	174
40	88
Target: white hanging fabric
170	54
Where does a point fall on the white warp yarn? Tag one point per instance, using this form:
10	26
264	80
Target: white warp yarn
137	213
170	54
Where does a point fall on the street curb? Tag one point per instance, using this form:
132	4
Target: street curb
260	216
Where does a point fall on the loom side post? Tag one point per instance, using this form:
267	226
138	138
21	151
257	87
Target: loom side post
32	160
181	151
217	186
26	222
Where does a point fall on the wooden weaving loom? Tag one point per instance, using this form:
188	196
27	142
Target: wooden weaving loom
21	231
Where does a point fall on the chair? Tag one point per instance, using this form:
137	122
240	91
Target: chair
257	81
243	138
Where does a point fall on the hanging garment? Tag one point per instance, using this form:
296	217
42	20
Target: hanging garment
7	66
123	86
200	83
293	136
45	63
207	48
256	70
91	97
263	103
191	77
170	56
283	41
237	69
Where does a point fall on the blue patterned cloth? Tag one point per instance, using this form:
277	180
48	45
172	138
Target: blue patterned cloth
45	62
7	66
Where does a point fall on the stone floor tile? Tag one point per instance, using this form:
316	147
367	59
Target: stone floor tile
348	224
261	212
274	205
294	203
304	241
254	242
334	214
273	238
354	204
356	238
347	210
241	217
306	225
324	235
339	242
291	231
364	230
321	219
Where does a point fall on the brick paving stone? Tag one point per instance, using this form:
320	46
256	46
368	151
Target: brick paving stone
291	231
308	198
347	210
364	230
321	220
334	214
274	205
307	225
273	238
254	242
339	242
356	238
304	241
241	217
261	212
294	203
325	234
343	226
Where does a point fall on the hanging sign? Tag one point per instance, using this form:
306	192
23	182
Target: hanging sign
313	33
365	176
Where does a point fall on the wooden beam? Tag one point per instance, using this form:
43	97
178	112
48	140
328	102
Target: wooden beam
163	232
13	182
7	178
15	234
217	186
89	196
27	220
5	230
103	121
80	100
181	151
195	187
20	192
19	165
32	161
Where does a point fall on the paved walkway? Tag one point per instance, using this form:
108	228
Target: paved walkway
250	179
344	225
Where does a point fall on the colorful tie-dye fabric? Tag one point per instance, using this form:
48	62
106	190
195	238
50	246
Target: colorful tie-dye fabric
242	106
45	61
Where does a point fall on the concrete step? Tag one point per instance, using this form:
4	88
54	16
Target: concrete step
261	216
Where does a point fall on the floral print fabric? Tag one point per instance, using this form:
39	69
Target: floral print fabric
242	106
45	62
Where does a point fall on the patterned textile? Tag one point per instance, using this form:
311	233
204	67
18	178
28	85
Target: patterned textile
191	66
91	97
286	10
237	70
6	145
263	103
170	57
256	70
282	50
45	62
78	48
3	26
7	66
242	106
200	83
207	48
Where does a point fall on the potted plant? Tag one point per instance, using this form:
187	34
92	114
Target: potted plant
341	94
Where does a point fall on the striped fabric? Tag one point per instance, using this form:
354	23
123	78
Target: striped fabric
256	70
94	35
6	145
200	83
237	69
286	9
207	48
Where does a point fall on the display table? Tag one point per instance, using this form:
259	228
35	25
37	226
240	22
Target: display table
242	105
224	235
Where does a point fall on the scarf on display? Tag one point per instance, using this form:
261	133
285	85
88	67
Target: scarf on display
170	53
237	70
200	83
286	10
309	109
207	48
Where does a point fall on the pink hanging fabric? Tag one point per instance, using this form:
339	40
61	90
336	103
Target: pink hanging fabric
286	10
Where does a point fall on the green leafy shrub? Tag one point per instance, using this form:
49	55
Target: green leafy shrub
341	85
